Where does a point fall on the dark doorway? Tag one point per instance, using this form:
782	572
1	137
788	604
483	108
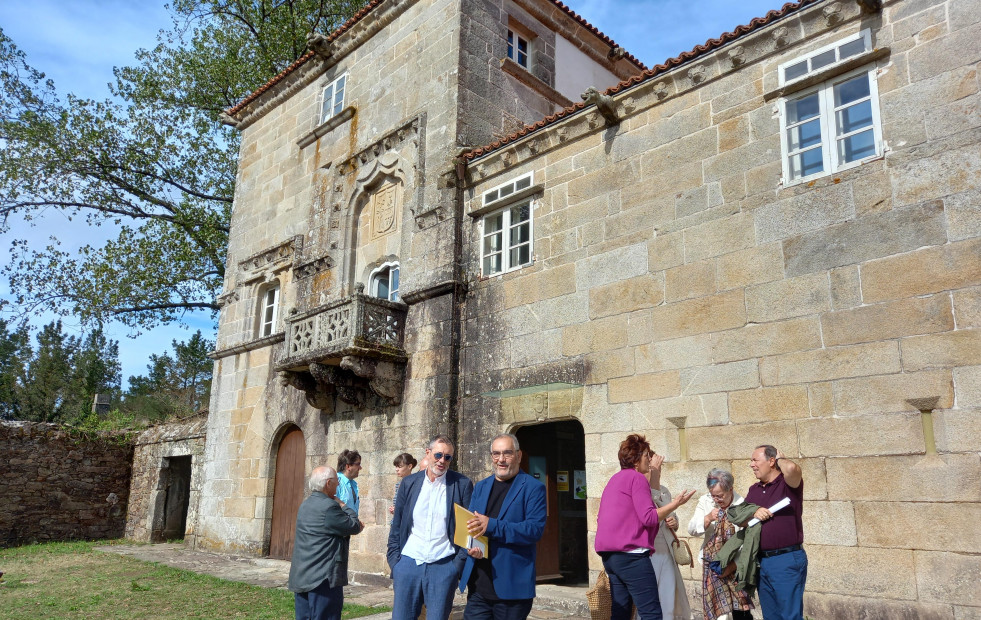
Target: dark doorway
554	452
288	493
176	482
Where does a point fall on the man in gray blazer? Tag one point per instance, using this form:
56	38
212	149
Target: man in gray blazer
425	563
324	526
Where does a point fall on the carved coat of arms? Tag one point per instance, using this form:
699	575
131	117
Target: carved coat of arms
384	218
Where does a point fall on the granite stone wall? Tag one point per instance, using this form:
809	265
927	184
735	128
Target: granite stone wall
714	305
58	484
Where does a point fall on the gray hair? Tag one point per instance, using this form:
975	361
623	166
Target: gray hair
441	439
721	478
514	440
768	451
319	477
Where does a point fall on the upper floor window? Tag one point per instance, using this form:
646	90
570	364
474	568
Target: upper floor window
518	49
333	99
835	124
384	282
506	239
269	311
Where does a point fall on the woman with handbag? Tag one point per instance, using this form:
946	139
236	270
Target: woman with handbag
721	600
626	526
670	587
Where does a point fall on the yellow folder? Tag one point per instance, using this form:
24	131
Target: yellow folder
462	538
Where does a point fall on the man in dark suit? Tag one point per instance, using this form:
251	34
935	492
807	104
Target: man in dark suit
324	526
425	563
509	508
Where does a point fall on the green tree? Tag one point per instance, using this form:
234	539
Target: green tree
15	351
57	380
154	162
177	383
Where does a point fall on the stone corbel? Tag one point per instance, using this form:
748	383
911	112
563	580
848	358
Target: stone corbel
385	379
354	381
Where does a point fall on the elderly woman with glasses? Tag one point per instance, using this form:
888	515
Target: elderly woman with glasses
626	529
721	600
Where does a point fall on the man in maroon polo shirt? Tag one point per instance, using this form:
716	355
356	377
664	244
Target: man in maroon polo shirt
783	563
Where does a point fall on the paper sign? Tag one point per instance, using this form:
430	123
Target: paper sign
579	480
561	481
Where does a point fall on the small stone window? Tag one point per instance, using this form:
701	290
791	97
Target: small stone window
332	100
835	124
268	310
384	282
506	234
518	48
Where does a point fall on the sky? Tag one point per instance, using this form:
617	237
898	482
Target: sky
78	42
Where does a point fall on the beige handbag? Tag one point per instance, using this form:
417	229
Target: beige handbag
681	551
599	599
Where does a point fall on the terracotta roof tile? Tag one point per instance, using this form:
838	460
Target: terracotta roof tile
651	73
585	24
302	59
367	9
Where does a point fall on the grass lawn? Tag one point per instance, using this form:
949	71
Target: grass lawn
70	580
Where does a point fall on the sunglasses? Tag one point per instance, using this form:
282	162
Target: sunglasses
440	456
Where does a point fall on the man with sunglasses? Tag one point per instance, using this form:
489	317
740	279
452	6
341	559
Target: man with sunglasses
425	563
509	508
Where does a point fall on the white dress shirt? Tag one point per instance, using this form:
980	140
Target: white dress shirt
428	540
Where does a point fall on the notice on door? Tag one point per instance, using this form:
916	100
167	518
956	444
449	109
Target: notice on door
580	481
561	481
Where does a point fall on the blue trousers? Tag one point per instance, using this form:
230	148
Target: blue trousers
416	584
632	577
479	608
781	588
321	603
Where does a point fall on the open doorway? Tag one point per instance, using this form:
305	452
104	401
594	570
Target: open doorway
288	493
175	486
555	453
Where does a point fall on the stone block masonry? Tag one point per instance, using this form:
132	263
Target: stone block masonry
58	484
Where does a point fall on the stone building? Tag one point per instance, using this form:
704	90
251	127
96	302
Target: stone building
774	237
166	482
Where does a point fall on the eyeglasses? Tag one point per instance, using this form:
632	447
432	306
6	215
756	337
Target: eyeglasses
440	456
504	453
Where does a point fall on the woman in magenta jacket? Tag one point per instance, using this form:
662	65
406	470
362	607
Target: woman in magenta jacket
625	530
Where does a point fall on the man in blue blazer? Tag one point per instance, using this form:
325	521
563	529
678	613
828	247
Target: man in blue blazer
509	507
425	563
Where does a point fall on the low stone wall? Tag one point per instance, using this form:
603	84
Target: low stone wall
160	492
59	484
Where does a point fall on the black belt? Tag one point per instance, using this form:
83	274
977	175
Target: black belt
772	552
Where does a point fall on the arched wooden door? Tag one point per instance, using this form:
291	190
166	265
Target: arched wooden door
288	493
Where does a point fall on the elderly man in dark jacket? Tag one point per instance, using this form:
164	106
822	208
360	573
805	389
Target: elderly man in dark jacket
324	526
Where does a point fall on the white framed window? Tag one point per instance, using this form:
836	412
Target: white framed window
269	310
384	282
501	192
506	239
332	99
825	57
831	126
518	48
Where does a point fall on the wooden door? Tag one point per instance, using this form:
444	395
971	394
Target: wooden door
288	493
547	558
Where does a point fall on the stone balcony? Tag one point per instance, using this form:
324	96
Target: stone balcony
352	348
